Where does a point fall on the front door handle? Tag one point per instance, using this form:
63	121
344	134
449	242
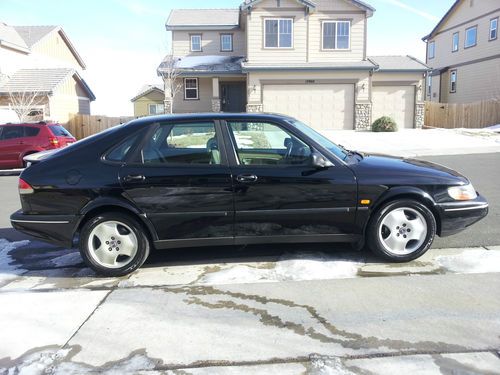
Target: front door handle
134	178
247	178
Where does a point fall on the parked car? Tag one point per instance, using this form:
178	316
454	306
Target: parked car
20	140
222	179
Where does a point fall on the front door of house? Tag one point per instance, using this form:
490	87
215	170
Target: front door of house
233	97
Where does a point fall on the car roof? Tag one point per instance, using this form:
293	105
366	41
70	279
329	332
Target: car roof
213	116
39	123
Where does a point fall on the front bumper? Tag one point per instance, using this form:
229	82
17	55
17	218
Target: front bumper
456	216
56	229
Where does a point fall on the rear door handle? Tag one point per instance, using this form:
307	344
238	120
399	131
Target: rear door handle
134	178
247	178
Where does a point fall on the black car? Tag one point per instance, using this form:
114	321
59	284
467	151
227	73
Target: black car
223	179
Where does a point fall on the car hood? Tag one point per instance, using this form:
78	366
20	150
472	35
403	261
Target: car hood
406	170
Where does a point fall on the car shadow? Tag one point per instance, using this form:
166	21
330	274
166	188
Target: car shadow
40	259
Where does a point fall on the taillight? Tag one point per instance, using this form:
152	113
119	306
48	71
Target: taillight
54	141
24	187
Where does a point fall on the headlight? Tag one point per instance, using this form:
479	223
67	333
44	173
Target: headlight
462	193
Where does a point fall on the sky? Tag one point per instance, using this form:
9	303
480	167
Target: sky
123	41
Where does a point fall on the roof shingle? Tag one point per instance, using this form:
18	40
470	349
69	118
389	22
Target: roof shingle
182	18
398	63
33	34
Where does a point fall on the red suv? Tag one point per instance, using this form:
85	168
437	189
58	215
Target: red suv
19	140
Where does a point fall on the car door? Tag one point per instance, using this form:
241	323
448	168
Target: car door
11	146
279	194
180	179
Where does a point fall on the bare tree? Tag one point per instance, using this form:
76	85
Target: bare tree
24	103
171	76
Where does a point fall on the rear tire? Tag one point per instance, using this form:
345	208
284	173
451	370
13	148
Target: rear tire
401	230
114	244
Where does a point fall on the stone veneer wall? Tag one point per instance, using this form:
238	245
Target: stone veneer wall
363	116
168	105
419	115
215	105
256	107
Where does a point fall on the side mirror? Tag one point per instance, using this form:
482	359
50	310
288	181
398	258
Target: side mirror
319	161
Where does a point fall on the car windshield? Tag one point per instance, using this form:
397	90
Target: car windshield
59	131
339	151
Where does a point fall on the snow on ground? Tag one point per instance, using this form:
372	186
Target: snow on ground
471	261
8	270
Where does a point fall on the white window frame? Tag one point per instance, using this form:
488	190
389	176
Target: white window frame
465	41
433	49
278	19
453	49
222	43
493	20
159	108
453	73
191	36
197	88
336	22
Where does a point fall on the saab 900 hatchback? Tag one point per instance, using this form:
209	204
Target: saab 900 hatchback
223	179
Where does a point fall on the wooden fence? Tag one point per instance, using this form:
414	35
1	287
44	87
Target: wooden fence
470	115
82	126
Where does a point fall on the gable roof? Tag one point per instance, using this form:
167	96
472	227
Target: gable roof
32	35
10	38
42	80
398	64
311	5
146	89
442	20
207	19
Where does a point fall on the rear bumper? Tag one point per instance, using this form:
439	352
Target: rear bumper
56	229
456	216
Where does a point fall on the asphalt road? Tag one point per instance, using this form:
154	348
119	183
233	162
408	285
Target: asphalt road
482	169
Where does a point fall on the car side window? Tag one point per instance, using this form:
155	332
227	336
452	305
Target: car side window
183	143
262	143
31	131
12	132
120	152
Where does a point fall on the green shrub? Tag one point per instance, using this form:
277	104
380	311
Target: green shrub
384	124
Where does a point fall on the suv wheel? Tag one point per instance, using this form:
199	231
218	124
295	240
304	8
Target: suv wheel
113	244
401	230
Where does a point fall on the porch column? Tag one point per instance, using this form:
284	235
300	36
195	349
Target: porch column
215	95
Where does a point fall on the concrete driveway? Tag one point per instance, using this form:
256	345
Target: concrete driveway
295	309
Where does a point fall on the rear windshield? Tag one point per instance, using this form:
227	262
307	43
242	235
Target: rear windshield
59	131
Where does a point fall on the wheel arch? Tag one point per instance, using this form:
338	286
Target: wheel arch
406	192
116	205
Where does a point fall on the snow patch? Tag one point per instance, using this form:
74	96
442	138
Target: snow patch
321	365
317	267
194	61
471	261
37	363
8	270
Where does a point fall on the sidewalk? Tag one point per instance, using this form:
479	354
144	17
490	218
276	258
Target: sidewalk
416	142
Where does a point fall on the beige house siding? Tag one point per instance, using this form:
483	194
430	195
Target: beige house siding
55	47
141	105
202	104
210	41
69	98
475	82
307	32
402	79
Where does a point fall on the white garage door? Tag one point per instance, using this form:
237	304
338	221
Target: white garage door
397	102
328	106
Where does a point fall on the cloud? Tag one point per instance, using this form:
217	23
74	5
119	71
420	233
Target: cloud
416	11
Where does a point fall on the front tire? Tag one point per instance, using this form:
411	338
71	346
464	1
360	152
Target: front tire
113	244
401	230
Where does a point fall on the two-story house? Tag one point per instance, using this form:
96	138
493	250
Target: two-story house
41	62
464	52
304	58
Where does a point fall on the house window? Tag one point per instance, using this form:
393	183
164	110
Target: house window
195	43
431	53
190	88
226	42
471	37
156	109
455	42
494	28
336	34
278	33
453	81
